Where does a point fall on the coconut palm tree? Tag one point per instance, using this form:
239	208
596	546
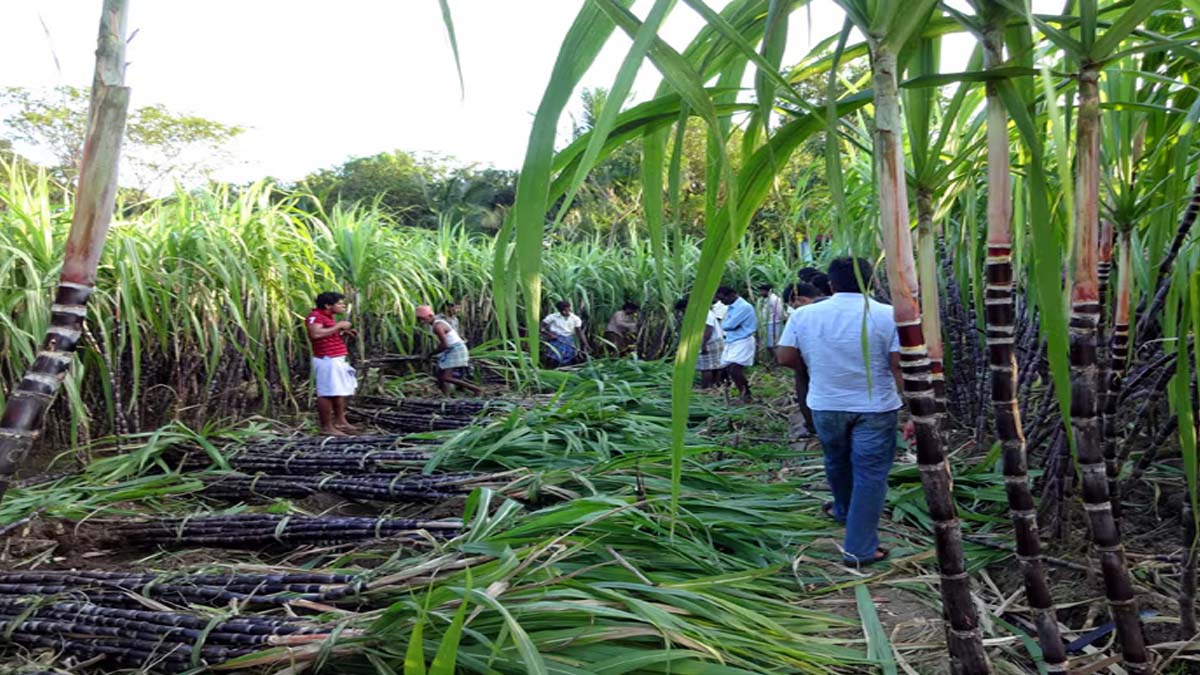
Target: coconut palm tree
94	200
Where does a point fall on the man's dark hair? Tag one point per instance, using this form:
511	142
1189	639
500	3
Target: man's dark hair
726	290
562	304
844	279
807	274
765	288
821	283
804	290
681	305
449	303
328	299
631	307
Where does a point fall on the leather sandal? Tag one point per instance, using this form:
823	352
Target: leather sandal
881	554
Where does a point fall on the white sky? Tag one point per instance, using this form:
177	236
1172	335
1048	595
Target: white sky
318	82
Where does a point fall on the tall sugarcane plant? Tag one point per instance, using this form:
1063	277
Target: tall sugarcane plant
94	200
989	25
888	27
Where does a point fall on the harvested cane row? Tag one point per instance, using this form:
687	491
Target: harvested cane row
115	588
448	407
159	641
266	530
301	462
409	422
386	487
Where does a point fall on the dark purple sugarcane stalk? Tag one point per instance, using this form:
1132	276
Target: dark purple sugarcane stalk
1118	357
1000	314
25	411
1085	318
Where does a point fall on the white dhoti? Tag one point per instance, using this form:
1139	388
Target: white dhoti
740	352
334	376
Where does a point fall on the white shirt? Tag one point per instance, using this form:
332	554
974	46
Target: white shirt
717	333
563	326
829	336
720	309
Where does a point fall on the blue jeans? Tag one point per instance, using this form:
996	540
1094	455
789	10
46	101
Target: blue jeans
859	451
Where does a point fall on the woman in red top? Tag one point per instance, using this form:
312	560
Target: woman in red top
334	378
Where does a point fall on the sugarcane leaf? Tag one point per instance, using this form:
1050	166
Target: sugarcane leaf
879	648
617	93
583	42
908	19
1121	28
773	43
414	654
833	160
449	22
447	653
530	657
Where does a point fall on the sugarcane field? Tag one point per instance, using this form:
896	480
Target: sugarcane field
600	337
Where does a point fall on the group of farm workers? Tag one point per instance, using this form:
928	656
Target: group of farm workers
842	344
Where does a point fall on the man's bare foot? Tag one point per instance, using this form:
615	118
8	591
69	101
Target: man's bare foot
333	431
348	428
747	399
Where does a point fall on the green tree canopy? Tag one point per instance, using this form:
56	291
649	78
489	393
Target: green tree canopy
160	146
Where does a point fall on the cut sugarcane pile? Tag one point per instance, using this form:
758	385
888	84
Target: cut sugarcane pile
166	642
417	415
408	422
118	589
349	459
265	530
385	487
457	407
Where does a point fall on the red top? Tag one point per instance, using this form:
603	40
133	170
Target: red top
330	345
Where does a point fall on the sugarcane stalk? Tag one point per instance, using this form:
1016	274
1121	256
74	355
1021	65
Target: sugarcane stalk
1085	315
963	634
1118	357
1187	581
25	410
931	322
1000	313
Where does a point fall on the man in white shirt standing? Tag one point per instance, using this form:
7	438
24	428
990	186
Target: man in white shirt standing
854	401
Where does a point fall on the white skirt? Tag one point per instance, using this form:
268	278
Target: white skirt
334	376
740	352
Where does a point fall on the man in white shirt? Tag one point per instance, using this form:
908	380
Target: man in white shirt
854	401
563	334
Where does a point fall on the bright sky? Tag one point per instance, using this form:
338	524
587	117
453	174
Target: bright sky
317	85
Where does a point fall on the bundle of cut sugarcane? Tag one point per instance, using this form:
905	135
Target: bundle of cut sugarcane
388	487
409	421
267	530
329	443
347	461
165	642
114	588
456	407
